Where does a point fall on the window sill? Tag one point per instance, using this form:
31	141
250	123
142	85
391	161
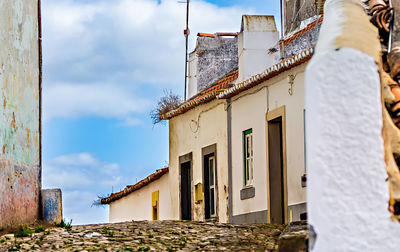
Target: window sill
247	192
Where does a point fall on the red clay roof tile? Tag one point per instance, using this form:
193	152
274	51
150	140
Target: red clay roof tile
303	31
131	188
226	33
200	34
204	96
267	74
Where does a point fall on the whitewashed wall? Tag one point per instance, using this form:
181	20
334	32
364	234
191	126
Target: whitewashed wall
137	205
200	127
249	111
347	192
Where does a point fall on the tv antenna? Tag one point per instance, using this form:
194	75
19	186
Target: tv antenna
186	32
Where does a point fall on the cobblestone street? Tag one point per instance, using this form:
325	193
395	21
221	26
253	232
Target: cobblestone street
150	236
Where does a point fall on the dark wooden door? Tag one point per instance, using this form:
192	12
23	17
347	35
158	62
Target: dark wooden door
186	192
275	157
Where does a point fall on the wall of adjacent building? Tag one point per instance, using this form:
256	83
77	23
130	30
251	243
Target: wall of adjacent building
138	204
19	112
200	127
348	191
297	11
248	110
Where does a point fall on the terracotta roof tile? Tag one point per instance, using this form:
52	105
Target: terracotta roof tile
303	31
204	96
205	35
267	74
131	188
226	33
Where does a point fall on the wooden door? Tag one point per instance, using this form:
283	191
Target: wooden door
186	192
275	157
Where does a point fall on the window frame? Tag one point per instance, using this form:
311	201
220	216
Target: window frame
248	180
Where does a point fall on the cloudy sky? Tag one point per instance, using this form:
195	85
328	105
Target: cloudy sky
106	63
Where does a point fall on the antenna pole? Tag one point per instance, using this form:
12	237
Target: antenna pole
282	45
187	43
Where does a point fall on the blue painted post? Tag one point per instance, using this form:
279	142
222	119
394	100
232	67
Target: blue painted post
51	204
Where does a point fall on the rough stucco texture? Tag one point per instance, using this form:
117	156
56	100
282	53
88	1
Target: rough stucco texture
19	112
347	191
51	203
216	57
302	43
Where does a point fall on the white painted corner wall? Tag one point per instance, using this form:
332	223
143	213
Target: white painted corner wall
347	192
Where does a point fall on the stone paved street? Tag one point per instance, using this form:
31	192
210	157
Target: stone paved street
150	236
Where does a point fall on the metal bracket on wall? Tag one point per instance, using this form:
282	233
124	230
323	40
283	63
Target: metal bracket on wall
291	83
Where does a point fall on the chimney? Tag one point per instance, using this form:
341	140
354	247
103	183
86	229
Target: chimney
215	55
257	36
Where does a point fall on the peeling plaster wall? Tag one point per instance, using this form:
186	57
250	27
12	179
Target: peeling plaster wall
19	112
215	58
200	127
347	187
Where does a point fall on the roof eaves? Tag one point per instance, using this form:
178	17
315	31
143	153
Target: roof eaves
226	33
292	37
268	73
201	34
131	188
204	96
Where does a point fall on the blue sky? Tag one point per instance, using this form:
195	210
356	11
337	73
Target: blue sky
106	63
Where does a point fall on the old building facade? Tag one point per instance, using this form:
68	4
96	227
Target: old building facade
20	83
236	146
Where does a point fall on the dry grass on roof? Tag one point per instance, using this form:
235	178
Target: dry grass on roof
168	102
204	96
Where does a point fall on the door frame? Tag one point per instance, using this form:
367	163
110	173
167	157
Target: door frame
211	149
184	159
269	116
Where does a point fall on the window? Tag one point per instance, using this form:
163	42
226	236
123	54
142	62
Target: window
248	156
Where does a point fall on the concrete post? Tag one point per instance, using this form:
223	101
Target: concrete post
51	204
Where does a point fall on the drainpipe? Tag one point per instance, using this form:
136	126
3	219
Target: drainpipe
282	46
229	134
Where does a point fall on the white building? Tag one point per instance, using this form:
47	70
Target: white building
148	199
266	132
237	145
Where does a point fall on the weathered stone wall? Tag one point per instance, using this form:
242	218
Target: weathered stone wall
19	112
302	42
217	56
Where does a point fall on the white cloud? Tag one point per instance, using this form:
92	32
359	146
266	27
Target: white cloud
80	170
131	121
97	54
78	208
74	101
82	177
